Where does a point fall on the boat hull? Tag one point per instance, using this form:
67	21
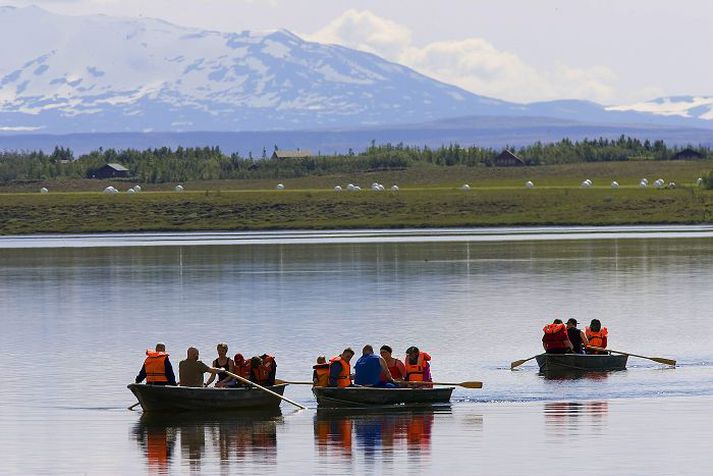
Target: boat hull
581	362
160	398
333	397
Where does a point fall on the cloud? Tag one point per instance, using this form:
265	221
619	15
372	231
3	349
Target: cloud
472	63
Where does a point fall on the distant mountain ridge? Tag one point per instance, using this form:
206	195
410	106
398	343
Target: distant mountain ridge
83	74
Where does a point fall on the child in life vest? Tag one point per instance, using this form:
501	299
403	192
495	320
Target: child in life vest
320	375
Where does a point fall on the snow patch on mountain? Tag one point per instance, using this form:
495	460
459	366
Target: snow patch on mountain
697	107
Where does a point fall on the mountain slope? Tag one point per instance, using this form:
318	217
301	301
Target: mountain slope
110	74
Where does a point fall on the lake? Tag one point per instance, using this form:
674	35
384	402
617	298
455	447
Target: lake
79	311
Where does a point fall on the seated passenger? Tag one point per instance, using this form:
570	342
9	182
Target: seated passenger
320	376
417	367
157	369
597	336
191	370
270	368
222	362
396	367
576	336
369	368
556	339
340	370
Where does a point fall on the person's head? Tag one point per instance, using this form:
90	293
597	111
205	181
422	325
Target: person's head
386	351
571	322
255	362
595	325
222	349
239	359
557	321
160	347
192	353
347	354
367	350
321	359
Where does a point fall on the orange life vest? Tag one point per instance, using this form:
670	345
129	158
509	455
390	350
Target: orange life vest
155	366
596	339
344	379
555	336
242	366
416	372
322	373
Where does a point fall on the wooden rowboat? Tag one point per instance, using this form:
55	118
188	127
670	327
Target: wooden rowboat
333	397
165	398
581	362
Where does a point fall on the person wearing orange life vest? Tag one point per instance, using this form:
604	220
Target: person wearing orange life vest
416	366
157	369
320	376
270	368
556	339
340	370
597	336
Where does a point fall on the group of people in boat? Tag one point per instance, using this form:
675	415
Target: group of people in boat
372	370
157	369
560	338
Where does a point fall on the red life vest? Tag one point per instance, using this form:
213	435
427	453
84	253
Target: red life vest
555	337
597	339
416	372
344	379
321	372
155	366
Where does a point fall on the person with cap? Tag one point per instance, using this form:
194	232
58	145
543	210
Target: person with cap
416	366
576	336
157	369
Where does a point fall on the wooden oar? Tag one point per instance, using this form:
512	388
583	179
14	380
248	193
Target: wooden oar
660	360
469	384
134	405
278	382
266	390
518	363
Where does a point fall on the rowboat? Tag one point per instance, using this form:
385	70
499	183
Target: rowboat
581	362
165	398
334	397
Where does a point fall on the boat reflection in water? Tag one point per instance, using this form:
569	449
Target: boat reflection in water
566	418
234	438
377	434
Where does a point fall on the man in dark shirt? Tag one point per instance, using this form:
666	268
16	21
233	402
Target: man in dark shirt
576	336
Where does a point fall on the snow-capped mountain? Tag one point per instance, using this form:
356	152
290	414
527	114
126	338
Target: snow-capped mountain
697	107
99	73
75	74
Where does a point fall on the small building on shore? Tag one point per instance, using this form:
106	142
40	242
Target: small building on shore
291	154
112	170
508	159
688	154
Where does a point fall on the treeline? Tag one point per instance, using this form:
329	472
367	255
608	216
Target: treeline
210	163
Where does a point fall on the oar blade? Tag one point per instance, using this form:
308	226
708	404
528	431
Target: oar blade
473	384
517	363
661	360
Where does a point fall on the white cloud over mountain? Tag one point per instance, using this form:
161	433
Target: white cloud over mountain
474	64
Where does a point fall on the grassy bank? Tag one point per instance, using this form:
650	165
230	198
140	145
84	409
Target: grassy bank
254	210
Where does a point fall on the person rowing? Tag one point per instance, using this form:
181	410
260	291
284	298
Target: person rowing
222	362
369	369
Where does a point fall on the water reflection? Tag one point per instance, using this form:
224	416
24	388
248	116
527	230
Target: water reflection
234	438
565	418
378	435
575	374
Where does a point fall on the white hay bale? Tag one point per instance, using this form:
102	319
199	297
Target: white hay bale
614	185
699	182
44	190
643	184
131	190
338	188
585	184
645	180
279	186
529	184
394	188
110	189
357	188
671	185
137	188
350	187
179	188
465	187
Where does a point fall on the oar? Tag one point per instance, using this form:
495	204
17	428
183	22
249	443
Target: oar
469	384
660	360
134	405
279	382
246	381
518	363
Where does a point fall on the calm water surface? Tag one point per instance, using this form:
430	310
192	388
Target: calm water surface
77	313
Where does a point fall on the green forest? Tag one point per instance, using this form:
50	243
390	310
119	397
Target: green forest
164	164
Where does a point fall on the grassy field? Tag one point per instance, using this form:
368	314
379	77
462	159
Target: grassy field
429	197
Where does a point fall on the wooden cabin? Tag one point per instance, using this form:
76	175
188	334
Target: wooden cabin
688	154
508	159
111	171
291	154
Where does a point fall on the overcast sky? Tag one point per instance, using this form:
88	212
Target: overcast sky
609	51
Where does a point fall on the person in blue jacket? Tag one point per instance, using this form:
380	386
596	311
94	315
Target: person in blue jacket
369	369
